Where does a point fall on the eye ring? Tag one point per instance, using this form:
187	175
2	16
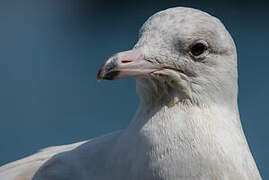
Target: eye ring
198	49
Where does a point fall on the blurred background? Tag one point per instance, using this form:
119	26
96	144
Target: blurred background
50	52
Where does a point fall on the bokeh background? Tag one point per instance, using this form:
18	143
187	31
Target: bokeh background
50	52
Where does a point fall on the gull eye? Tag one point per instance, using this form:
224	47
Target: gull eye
198	48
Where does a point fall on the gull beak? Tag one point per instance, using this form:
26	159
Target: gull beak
127	64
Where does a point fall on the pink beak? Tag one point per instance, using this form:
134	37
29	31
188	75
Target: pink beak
127	64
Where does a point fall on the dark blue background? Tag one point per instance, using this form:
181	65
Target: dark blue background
50	52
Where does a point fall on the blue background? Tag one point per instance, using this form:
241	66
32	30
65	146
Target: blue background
50	52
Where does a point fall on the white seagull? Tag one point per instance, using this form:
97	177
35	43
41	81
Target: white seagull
187	126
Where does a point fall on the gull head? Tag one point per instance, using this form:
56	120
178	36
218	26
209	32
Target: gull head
182	54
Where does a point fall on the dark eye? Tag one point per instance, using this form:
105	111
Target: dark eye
198	49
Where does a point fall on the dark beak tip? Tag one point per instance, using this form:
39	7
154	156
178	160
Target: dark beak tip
99	77
110	75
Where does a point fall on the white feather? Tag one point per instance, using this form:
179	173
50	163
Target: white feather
25	168
187	126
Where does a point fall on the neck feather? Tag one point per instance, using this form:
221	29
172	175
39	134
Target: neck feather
167	109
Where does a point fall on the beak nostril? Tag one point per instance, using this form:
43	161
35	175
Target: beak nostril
126	61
